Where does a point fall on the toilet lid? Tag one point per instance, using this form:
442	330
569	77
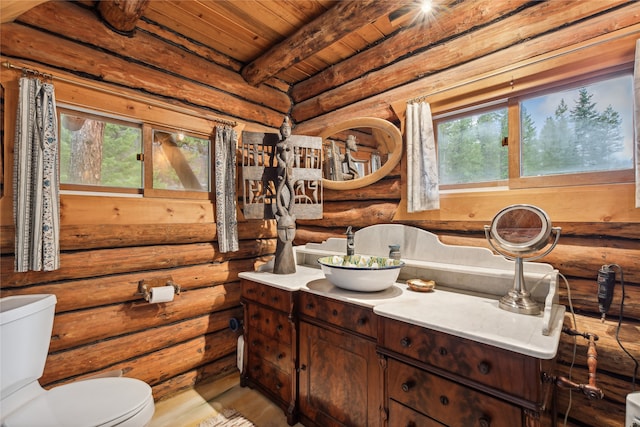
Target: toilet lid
96	402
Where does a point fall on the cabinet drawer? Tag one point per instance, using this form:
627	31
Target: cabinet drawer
275	352
446	401
401	416
349	316
482	363
278	299
270	377
273	324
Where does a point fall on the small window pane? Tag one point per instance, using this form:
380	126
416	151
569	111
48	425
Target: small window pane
180	162
470	148
99	152
584	129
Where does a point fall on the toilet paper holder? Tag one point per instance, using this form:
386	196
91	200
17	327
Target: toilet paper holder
145	285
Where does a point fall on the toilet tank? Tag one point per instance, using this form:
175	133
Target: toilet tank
26	322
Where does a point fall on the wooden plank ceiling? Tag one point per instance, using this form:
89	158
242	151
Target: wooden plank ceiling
329	54
245	30
312	35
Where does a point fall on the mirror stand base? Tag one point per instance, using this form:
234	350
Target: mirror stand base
519	302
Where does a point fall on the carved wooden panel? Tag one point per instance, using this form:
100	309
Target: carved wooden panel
259	175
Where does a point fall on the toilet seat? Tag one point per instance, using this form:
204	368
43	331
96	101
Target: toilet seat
99	402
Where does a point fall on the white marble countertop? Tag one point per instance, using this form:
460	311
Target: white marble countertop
460	314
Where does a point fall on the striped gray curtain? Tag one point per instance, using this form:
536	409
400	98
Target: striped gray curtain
36	200
423	192
636	91
225	187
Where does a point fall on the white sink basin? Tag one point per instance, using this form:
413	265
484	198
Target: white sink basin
361	273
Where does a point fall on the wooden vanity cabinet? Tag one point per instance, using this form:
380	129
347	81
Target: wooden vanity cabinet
270	344
340	377
456	381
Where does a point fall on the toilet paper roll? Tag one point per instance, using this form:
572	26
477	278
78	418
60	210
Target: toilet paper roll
161	294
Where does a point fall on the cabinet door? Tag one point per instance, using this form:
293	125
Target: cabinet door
340	382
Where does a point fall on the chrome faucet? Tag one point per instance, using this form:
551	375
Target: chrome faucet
351	244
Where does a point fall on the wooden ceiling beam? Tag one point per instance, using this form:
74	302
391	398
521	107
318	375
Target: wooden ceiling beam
121	15
11	9
342	19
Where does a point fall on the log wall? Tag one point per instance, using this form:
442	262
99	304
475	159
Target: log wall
109	244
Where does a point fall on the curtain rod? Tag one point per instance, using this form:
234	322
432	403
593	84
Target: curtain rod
26	71
9	65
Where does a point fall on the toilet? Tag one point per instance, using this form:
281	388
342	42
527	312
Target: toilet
26	322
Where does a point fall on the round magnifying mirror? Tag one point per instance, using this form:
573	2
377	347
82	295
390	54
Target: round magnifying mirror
359	152
519	231
521	228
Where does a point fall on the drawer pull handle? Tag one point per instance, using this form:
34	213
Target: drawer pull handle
444	400
279	328
281	356
484	368
254	343
406	386
274	299
255	316
334	312
443	351
303	367
362	321
310	306
262	294
485	422
278	386
405	342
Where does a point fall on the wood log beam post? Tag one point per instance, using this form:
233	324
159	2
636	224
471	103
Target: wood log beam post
121	15
337	22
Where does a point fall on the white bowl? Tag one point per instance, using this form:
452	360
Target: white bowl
361	273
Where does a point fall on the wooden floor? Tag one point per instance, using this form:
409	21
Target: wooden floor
189	408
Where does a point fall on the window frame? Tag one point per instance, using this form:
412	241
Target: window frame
149	191
515	180
145	157
94	115
465	112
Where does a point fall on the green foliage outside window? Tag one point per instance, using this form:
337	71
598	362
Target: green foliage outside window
101	153
585	129
470	148
585	133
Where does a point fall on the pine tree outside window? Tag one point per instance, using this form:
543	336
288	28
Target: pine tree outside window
581	133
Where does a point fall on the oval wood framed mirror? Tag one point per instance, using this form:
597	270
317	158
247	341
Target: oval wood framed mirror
359	152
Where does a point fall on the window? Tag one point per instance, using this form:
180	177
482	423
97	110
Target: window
470	148
581	129
96	151
584	129
180	162
102	154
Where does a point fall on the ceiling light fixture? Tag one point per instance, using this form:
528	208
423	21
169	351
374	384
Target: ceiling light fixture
426	6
